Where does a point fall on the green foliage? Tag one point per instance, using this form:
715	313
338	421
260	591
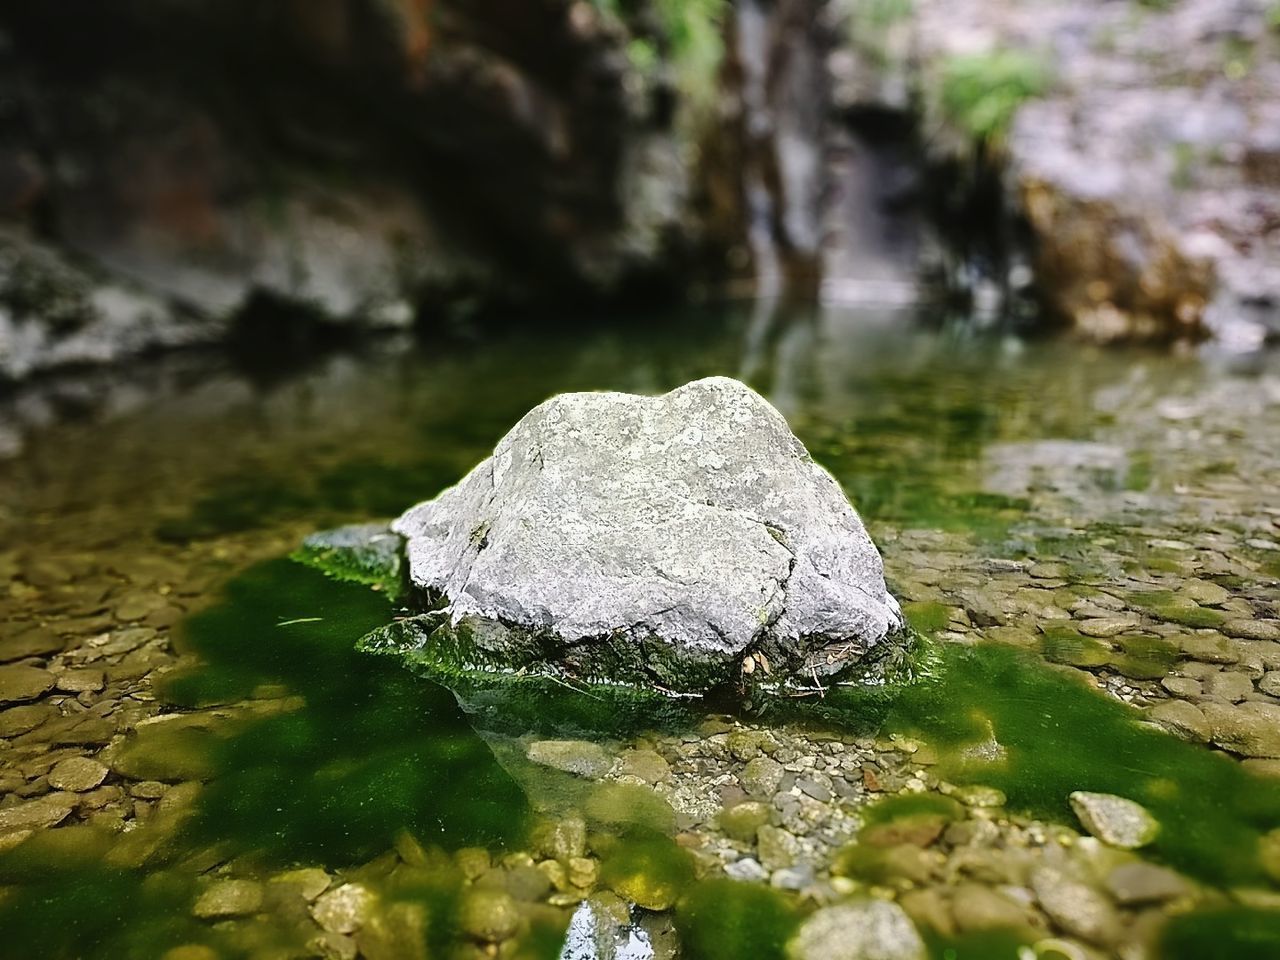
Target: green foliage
980	93
692	34
1222	933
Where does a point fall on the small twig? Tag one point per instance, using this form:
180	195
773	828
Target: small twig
822	691
290	623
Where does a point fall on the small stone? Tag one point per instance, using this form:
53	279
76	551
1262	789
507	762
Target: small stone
647	765
811	788
77	774
1182	719
1209	648
583	872
229	898
1114	820
1205	592
777	848
742	821
748	870
310	881
23	683
344	909
1250	729
1229	686
862	930
1253	629
1075	906
564	839
474	861
1139	883
792	878
1107	626
980	796
36	814
1182	686
31	642
19	720
761	776
489	915
1269	684
81	681
579	757
978	908
745	745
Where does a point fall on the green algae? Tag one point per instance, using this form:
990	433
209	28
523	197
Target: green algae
728	920
1222	933
1047	733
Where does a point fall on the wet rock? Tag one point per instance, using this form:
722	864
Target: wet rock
229	898
77	774
747	870
311	882
1114	820
489	915
976	908
1269	684
865	930
19	720
1253	629
761	776
36	814
1075	906
1205	592
1182	719
344	909
1250	729
777	848
579	757
742	821
658	536
30	642
23	683
1140	883
1229	686
647	765
398	932
81	681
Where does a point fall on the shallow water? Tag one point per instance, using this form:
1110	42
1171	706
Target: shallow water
1071	529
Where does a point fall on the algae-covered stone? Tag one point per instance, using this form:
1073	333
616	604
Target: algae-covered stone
229	898
1114	820
77	774
741	822
866	930
579	757
489	915
654	539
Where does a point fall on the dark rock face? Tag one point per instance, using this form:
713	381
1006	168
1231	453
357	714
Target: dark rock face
362	160
681	540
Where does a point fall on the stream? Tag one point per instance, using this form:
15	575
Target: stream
196	762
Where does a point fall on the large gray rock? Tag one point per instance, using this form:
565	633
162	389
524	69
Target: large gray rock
662	539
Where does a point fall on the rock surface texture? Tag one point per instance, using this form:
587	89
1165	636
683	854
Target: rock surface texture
654	538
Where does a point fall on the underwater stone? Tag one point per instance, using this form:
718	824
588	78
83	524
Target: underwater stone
870	930
654	539
1114	820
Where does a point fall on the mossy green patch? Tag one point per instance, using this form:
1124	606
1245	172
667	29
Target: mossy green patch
1223	933
1062	644
927	616
1000	717
985	945
1168	606
726	920
647	869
